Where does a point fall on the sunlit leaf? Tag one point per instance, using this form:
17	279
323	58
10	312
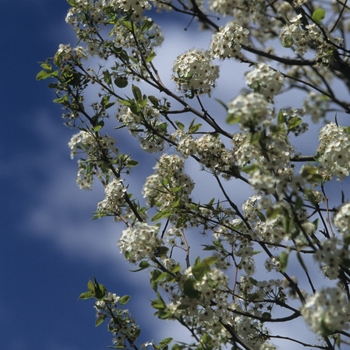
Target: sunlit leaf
124	299
319	15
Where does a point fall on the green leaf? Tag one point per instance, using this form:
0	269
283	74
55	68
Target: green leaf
61	100
283	261
255	137
46	66
223	104
325	330
132	163
124	299
273	212
281	118
136	92
150	56
298	203
42	75
165	342
100	290
100	320
194	128
287	42
347	240
53	86
72	3
293	122
288	223
123	55
107	77
250	168
128	25
190	290
161	251
146	24
121	81
266	316
91	286
161	215
86	295
158	304
209	247
318	15
142	265
199	271
99	126
180	125
206	340
232	119
210	260
154	100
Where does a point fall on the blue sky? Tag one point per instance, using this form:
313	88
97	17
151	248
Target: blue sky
50	246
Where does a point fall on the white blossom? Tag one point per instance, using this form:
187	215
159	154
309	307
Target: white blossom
226	43
194	73
342	219
265	80
252	109
334	150
327	310
139	242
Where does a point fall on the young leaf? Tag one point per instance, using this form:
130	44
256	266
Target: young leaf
319	15
137	93
143	265
190	290
124	299
100	320
42	75
86	295
164	343
283	261
180	125
121	82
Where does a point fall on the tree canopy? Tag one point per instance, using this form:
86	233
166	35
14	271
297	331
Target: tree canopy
280	256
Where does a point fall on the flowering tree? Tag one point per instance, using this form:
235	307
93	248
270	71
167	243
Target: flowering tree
279	257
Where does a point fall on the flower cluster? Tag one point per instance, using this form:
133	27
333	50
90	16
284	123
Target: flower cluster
226	43
139	242
91	144
124	38
121	322
99	10
329	256
265	81
146	124
251	110
169	183
96	148
294	35
334	150
342	219
114	197
224	7
327	310
88	17
194	72
133	7
299	37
